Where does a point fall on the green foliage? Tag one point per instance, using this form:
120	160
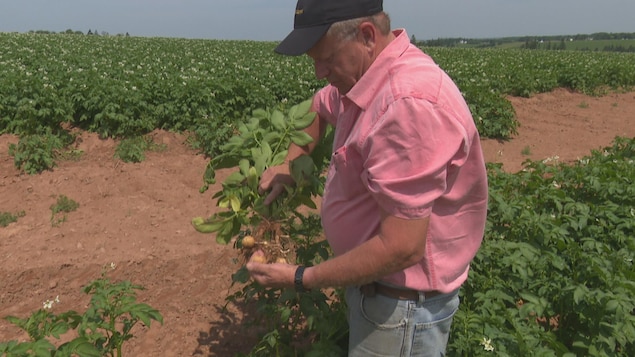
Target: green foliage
133	149
493	114
308	324
524	73
295	324
110	86
102	329
62	206
555	273
113	306
554	276
69	154
526	151
600	41
260	143
7	218
35	153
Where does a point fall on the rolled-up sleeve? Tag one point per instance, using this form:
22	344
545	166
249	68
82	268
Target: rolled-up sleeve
406	167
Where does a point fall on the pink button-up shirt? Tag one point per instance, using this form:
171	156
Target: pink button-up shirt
405	142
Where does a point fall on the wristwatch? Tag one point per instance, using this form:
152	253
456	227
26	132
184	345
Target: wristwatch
297	281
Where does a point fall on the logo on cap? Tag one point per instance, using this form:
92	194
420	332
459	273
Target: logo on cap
299	11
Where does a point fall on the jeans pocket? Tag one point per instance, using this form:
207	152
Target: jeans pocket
432	330
382	312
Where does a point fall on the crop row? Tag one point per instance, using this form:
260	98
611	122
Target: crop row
128	86
555	274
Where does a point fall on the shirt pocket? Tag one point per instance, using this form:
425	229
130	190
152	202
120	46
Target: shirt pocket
339	159
345	174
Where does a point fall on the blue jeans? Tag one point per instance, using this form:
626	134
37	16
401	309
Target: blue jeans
387	327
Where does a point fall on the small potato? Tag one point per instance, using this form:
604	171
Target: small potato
282	260
258	258
248	242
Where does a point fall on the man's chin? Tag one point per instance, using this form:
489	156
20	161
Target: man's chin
342	89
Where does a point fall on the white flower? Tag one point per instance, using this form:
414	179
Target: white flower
48	304
552	158
487	344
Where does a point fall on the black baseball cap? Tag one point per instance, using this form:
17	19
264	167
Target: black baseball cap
314	17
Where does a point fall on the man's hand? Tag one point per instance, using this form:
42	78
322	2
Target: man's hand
275	179
275	275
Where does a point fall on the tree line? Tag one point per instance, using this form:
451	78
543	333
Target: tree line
555	42
90	32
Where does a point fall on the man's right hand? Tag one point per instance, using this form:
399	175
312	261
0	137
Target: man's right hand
274	179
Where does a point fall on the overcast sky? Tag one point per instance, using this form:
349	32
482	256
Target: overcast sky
271	20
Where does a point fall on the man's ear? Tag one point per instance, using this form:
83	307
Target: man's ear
368	33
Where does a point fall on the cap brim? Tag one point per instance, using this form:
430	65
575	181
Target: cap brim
300	40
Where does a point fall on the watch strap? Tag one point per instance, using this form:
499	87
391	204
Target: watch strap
297	281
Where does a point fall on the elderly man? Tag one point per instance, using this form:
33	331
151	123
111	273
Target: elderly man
405	201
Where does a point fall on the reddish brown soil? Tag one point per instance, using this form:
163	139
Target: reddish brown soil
138	217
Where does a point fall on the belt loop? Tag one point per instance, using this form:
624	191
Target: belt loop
422	297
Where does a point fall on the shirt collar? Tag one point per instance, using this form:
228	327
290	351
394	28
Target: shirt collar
365	90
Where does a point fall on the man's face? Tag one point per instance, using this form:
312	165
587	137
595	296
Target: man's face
341	62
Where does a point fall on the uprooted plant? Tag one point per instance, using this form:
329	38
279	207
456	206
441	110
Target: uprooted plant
293	324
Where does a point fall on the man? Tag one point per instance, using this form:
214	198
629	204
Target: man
405	201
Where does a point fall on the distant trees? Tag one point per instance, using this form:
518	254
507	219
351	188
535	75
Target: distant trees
619	48
71	32
561	44
96	33
530	44
463	42
41	32
613	42
76	32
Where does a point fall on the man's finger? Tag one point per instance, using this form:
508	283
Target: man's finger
263	186
275	192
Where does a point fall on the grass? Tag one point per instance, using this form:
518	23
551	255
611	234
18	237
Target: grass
60	208
133	149
526	151
7	218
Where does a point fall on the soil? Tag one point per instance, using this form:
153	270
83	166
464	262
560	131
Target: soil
137	216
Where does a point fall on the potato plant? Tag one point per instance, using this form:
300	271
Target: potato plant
107	323
110	86
555	274
287	230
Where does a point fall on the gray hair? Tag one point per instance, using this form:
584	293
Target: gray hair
348	29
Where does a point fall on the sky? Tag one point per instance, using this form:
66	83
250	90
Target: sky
271	20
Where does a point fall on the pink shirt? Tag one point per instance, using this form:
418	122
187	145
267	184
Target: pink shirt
405	141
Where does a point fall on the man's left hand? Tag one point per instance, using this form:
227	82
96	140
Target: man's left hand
274	275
